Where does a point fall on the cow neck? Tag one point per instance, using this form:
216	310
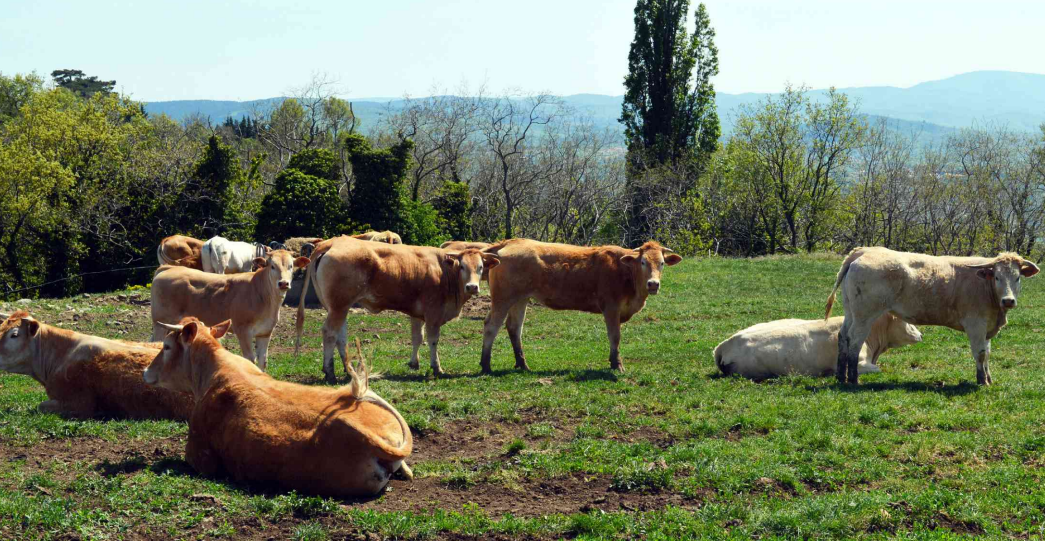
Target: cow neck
50	350
1003	313
203	365
257	282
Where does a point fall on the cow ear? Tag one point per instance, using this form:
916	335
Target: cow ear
628	258
452	258
188	332
986	273
301	262
1028	269
32	326
260	262
220	329
491	260
672	259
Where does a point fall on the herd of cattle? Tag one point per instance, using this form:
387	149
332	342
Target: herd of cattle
254	428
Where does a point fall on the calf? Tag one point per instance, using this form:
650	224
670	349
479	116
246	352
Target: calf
459	245
343	442
428	284
806	347
180	250
607	280
223	256
971	294
251	300
86	376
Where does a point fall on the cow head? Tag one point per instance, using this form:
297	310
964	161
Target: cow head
17	333
647	262
900	333
1004	274
392	238
471	264
172	367
278	267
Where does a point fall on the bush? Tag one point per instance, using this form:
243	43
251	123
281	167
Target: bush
453	204
300	205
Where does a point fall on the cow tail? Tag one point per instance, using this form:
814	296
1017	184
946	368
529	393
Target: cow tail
299	323
853	256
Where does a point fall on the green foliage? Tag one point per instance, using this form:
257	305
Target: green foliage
77	82
453	204
377	192
419	224
207	196
669	113
300	205
317	162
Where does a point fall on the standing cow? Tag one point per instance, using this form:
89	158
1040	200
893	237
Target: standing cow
250	300
607	280
971	294
223	256
428	284
180	250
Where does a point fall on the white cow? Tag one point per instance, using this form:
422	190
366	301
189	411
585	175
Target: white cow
223	256
806	347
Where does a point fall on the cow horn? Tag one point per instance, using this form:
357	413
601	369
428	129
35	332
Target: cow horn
667	250
170	327
982	265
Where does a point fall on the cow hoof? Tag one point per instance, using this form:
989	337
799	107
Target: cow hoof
438	373
521	365
617	367
329	378
485	370
414	366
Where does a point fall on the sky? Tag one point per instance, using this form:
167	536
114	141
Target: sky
209	49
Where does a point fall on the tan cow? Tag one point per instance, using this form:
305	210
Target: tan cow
428	284
971	294
806	347
386	237
296	245
251	300
607	280
180	250
343	442
86	376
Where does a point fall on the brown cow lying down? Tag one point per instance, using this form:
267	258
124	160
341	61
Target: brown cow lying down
86	376
806	347
386	237
250	299
428	284
971	294
607	280
181	251
332	442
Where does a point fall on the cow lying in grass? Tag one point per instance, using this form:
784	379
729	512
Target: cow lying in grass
332	442
607	280
971	294
86	376
806	347
251	300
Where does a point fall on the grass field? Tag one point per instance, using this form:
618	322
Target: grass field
667	450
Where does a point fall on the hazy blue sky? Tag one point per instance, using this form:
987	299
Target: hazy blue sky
193	49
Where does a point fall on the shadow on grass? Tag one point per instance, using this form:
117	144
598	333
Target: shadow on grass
959	389
568	375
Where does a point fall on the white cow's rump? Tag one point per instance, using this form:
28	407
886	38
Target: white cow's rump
223	256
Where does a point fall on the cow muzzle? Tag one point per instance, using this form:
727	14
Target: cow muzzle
471	289
283	285
149	377
1008	302
653	286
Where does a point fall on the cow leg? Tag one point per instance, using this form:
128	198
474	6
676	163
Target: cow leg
433	348
342	345
613	333
333	327
494	320
843	351
514	326
262	345
246	345
981	352
858	333
417	336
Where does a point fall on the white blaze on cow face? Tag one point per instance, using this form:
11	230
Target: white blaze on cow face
1005	275
16	336
649	263
280	266
471	264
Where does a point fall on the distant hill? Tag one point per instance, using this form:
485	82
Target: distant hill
934	108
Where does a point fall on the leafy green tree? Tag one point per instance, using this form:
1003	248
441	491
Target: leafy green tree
318	162
379	174
79	83
300	205
669	111
206	196
453	204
